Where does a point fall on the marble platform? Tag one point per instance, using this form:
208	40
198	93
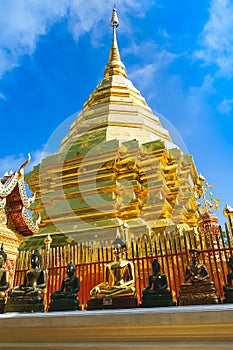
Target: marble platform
183	327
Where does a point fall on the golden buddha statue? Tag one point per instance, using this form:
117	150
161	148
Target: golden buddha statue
4	275
119	276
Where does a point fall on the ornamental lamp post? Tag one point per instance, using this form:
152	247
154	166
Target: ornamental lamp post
152	252
125	228
228	212
48	240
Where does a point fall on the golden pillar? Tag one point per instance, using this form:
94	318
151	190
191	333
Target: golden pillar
228	212
48	240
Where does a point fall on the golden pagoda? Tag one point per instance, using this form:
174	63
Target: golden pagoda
117	167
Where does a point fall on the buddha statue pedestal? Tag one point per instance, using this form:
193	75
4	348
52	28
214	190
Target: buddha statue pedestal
228	288
2	305
156	293
197	290
25	304
118	289
157	300
64	305
228	297
198	293
123	302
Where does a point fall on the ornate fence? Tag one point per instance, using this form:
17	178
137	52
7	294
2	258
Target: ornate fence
170	248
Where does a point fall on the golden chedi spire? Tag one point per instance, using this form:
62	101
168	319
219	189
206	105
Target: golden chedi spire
116	107
114	66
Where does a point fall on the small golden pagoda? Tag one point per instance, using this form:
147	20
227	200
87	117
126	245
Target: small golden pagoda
117	166
15	218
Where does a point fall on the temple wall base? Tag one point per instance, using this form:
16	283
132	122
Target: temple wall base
192	327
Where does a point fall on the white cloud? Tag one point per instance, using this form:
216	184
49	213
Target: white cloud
197	94
13	162
36	157
2	96
141	75
226	106
149	51
156	60
141	49
216	40
22	22
164	34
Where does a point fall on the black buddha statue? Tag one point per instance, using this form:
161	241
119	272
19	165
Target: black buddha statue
197	290
228	288
28	297
4	275
66	297
156	293
118	288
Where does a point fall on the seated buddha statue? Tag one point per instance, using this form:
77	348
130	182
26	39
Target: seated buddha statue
31	290
65	298
34	280
228	288
195	272
4	275
119	276
197	289
156	293
119	279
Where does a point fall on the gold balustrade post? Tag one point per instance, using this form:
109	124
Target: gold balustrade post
125	228
48	240
228	212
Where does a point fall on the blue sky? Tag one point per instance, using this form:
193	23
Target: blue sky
179	54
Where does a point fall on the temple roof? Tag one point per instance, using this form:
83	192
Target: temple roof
14	199
117	107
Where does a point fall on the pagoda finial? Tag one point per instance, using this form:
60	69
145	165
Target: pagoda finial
114	21
115	65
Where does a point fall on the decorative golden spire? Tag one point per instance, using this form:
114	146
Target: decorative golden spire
115	65
200	190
